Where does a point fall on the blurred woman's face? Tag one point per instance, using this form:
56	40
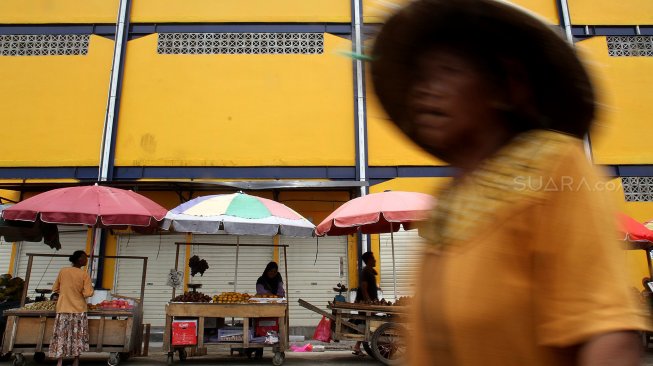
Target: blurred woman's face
272	273
452	105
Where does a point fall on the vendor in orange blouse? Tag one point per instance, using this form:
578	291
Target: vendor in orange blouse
70	333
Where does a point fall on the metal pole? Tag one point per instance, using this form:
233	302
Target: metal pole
287	320
176	269
27	276
143	281
394	270
92	257
359	100
236	272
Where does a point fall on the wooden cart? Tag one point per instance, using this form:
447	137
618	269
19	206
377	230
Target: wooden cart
200	311
118	332
380	328
109	331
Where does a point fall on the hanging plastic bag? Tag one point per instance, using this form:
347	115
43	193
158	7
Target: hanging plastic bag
323	330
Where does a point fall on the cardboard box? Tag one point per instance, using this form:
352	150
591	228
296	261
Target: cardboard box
184	332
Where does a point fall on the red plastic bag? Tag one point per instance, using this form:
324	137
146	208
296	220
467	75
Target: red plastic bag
323	330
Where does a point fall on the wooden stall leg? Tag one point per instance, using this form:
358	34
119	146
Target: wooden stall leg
100	336
146	341
41	334
167	335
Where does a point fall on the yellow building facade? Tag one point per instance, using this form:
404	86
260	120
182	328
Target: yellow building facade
179	99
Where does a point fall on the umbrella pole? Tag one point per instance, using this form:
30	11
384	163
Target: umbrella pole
394	269
92	254
236	274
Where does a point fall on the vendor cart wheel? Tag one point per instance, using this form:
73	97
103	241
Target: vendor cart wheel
278	358
388	344
114	359
182	354
19	360
124	356
170	360
39	357
368	349
5	357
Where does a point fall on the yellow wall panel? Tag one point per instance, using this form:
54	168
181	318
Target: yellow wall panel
376	11
624	125
236	110
544	8
58	11
611	12
183	11
53	107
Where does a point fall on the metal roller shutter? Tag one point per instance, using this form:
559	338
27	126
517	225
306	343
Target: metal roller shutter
160	250
222	262
310	280
5	256
46	269
408	252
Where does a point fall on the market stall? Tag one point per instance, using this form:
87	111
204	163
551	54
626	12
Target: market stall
380	326
256	322
115	326
235	214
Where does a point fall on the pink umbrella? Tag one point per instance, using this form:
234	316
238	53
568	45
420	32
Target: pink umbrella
378	213
95	206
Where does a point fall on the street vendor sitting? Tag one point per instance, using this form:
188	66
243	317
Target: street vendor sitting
270	283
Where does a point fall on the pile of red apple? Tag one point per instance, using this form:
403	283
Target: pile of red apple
115	305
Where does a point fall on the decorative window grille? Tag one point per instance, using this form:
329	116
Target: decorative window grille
638	189
43	44
630	46
240	43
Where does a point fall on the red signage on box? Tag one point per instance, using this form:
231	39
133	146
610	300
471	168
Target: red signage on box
184	333
264	325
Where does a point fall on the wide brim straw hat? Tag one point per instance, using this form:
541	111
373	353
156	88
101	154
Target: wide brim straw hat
485	30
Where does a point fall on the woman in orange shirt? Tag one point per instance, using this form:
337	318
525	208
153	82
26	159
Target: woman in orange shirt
70	333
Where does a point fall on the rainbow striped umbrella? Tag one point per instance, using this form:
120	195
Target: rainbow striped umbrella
237	214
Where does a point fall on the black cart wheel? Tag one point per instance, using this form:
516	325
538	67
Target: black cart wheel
278	358
182	354
368	349
19	360
388	345
39	357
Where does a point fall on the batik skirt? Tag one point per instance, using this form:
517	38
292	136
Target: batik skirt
70	335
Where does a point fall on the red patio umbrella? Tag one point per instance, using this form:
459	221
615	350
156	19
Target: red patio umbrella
634	232
377	213
95	206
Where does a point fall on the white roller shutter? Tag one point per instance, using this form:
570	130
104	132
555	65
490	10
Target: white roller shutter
313	280
45	269
222	262
408	253
5	256
160	250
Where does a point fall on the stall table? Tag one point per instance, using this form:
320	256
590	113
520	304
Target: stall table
200	311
